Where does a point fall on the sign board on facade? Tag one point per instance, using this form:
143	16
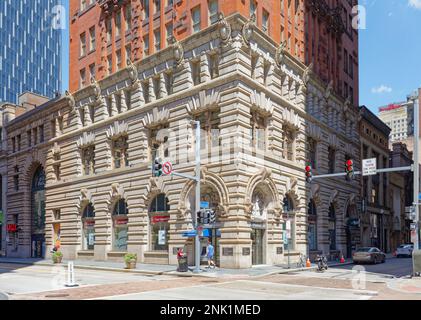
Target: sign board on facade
161	237
12	228
204	205
369	167
157	219
1	217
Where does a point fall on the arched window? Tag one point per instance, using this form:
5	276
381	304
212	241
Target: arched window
312	226
38	213
120	227
88	221
332	227
159	217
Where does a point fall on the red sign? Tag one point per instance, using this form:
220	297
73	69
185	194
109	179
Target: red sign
167	168
12	228
121	221
157	219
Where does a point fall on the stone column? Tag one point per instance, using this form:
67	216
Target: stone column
151	91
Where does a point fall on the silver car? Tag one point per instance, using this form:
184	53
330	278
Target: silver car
404	250
368	255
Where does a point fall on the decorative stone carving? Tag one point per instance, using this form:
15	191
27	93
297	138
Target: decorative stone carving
307	74
71	100
333	141
224	28
116	193
315	192
328	90
333	197
203	101
96	89
178	51
117	130
86	140
291	118
291	185
156	116
56	149
133	73
247	31
261	102
85	198
280	54
314	131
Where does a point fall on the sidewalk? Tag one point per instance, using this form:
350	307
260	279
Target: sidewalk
156	269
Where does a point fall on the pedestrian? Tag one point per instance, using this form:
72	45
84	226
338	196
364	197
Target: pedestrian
210	251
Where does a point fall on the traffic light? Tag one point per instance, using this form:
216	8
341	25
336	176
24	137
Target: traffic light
157	168
309	174
349	169
212	216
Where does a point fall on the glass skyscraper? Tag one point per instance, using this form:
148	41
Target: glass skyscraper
30	48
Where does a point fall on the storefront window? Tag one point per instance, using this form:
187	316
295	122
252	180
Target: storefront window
159	217
88	220
120	221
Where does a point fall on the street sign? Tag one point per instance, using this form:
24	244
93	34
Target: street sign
369	167
167	168
190	234
419	196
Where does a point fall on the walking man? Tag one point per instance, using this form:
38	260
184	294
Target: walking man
210	251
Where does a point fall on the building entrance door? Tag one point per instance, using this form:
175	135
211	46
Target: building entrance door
38	246
257	246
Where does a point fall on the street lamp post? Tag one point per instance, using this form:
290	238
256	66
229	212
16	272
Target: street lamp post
197	206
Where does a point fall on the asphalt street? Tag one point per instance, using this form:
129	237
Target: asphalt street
393	266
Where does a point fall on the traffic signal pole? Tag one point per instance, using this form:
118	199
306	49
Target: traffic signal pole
416	168
197	206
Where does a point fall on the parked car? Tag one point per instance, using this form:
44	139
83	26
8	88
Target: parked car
404	250
368	255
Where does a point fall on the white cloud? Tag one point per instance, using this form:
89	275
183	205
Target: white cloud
415	4
382	89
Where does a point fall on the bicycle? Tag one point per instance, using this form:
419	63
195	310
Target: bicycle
302	261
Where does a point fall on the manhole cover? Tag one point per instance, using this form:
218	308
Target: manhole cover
58	295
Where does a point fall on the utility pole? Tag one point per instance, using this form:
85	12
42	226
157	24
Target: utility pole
416	167
197	206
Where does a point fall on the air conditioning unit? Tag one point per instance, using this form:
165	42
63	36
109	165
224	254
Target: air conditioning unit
416	262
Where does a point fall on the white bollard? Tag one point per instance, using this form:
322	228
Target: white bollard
71	275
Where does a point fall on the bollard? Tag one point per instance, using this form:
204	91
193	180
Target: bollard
71	275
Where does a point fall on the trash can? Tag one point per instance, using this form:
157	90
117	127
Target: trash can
182	264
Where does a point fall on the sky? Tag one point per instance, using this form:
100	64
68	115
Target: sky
65	49
389	51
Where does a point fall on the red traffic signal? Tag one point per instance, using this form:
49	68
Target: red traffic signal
349	169
309	174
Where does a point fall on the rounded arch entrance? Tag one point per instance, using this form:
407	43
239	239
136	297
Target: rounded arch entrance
38	246
159	216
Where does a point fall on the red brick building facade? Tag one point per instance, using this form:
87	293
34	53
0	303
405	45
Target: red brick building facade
105	33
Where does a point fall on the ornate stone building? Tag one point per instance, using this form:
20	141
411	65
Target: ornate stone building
82	178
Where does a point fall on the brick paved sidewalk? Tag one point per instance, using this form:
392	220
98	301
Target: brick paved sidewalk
156	269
